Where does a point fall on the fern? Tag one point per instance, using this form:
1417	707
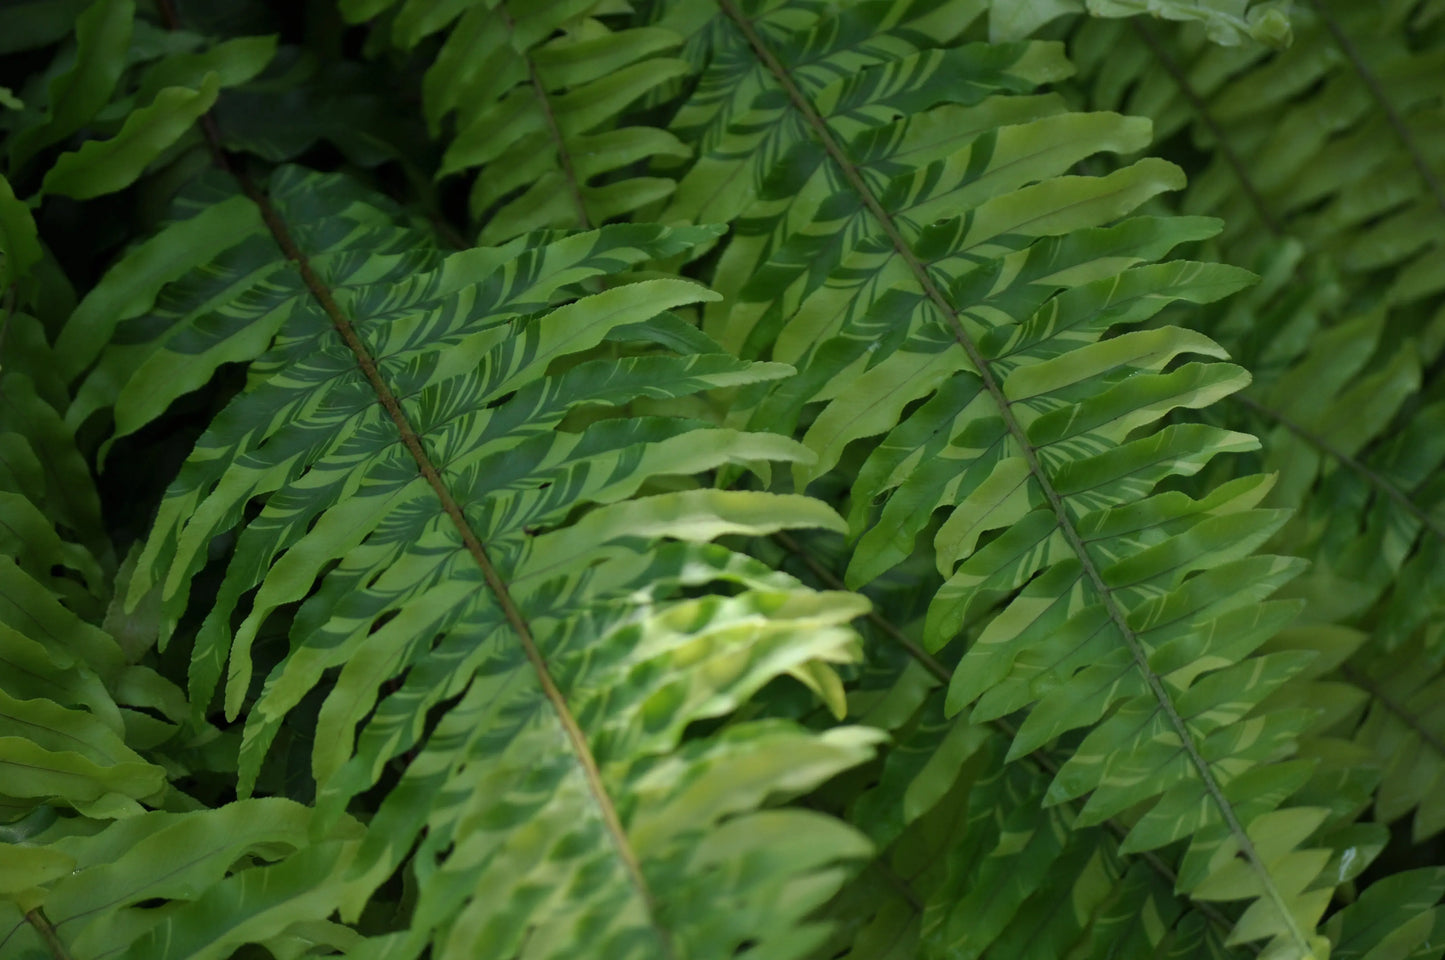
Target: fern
847	506
540	83
1231	22
1343	334
458	352
1029	422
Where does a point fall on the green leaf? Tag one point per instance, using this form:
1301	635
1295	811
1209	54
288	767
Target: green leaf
521	574
129	288
974	363
105	166
1227	22
232	61
19	245
1017	21
102	37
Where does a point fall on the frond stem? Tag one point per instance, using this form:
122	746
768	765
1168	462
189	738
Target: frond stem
37	919
1398	709
413	442
1221	136
575	737
1372	477
564	156
1066	524
1387	106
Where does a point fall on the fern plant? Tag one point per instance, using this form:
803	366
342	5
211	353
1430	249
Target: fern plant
850	502
1342	334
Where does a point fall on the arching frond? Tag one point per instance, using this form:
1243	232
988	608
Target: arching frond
142	98
1231	22
914	544
1339	207
254	871
941	281
537	91
413	462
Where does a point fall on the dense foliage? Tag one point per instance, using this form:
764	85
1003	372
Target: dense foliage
787	479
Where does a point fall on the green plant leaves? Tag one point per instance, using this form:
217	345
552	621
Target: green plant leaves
102	37
1228	22
18	242
105	166
206	867
923	545
925	300
537	90
475	590
176	92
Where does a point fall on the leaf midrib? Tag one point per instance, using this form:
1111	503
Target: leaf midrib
554	129
576	739
1066	525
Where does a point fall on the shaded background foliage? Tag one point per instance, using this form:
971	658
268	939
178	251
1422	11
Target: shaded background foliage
174	667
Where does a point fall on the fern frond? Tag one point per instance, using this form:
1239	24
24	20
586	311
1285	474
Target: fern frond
1340	206
538	91
254	871
1230	23
974	864
955	297
1397	916
142	96
524	589
1404	727
1020	880
938	887
93	738
69	692
741	132
416	484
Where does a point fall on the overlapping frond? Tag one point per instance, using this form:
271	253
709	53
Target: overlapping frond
413	464
168	885
89	737
537	92
1228	22
71	698
508	610
941	281
133	91
1340	208
974	864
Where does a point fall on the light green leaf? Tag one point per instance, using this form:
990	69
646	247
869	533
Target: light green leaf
232	61
102	37
105	166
